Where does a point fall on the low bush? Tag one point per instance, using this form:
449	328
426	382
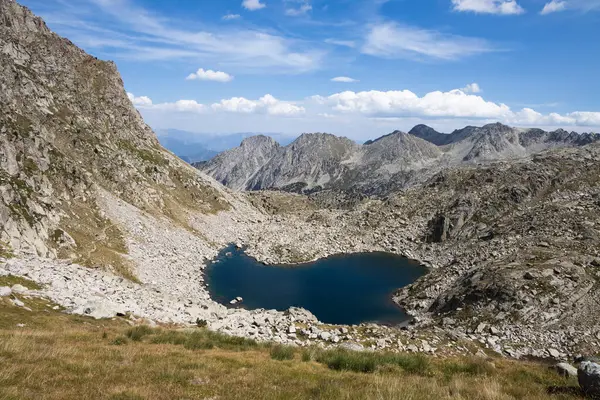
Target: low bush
280	352
137	333
367	362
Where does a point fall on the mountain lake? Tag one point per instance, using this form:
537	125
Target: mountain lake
342	289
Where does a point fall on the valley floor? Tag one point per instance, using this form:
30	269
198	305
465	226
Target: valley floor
46	354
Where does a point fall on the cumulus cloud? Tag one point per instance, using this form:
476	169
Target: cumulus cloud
253	5
344	79
229	17
265	105
405	103
554	6
209	75
501	7
472	88
142	101
528	116
350	107
392	40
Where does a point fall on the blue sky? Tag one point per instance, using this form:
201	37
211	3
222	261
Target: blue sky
358	68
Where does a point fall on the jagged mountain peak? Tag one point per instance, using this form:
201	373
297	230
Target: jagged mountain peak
431	135
259	140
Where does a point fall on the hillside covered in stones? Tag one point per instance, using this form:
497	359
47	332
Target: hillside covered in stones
109	223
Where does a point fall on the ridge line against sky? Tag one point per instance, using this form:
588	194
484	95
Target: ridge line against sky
357	68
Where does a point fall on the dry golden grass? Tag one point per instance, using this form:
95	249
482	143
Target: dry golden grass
58	356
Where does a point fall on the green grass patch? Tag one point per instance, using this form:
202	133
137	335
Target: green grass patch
137	333
280	352
10	280
202	339
368	362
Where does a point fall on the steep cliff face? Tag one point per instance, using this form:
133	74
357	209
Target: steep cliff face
67	128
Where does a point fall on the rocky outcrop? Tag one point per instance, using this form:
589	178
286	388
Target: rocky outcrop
588	376
67	128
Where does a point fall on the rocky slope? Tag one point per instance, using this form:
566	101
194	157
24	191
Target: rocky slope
109	222
381	166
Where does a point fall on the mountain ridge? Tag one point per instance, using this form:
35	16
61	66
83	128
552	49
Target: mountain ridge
390	162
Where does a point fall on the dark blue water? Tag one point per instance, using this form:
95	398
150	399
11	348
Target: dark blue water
343	289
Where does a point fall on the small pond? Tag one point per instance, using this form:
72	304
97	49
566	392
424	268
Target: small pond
342	289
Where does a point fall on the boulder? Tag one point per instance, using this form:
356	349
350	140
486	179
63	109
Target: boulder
352	346
19	289
100	309
565	369
588	375
18	303
5	291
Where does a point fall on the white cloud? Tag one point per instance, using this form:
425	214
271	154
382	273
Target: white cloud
253	5
210	75
405	103
229	17
344	79
357	112
392	40
190	106
554	6
530	117
472	88
142	101
502	7
562	5
132	32
265	105
344	43
303	7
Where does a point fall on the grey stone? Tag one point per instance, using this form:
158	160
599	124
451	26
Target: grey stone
18	303
588	375
565	369
352	346
18	289
554	353
5	291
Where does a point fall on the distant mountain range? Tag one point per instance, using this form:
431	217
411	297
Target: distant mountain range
195	147
316	161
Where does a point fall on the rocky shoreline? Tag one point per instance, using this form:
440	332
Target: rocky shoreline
170	261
